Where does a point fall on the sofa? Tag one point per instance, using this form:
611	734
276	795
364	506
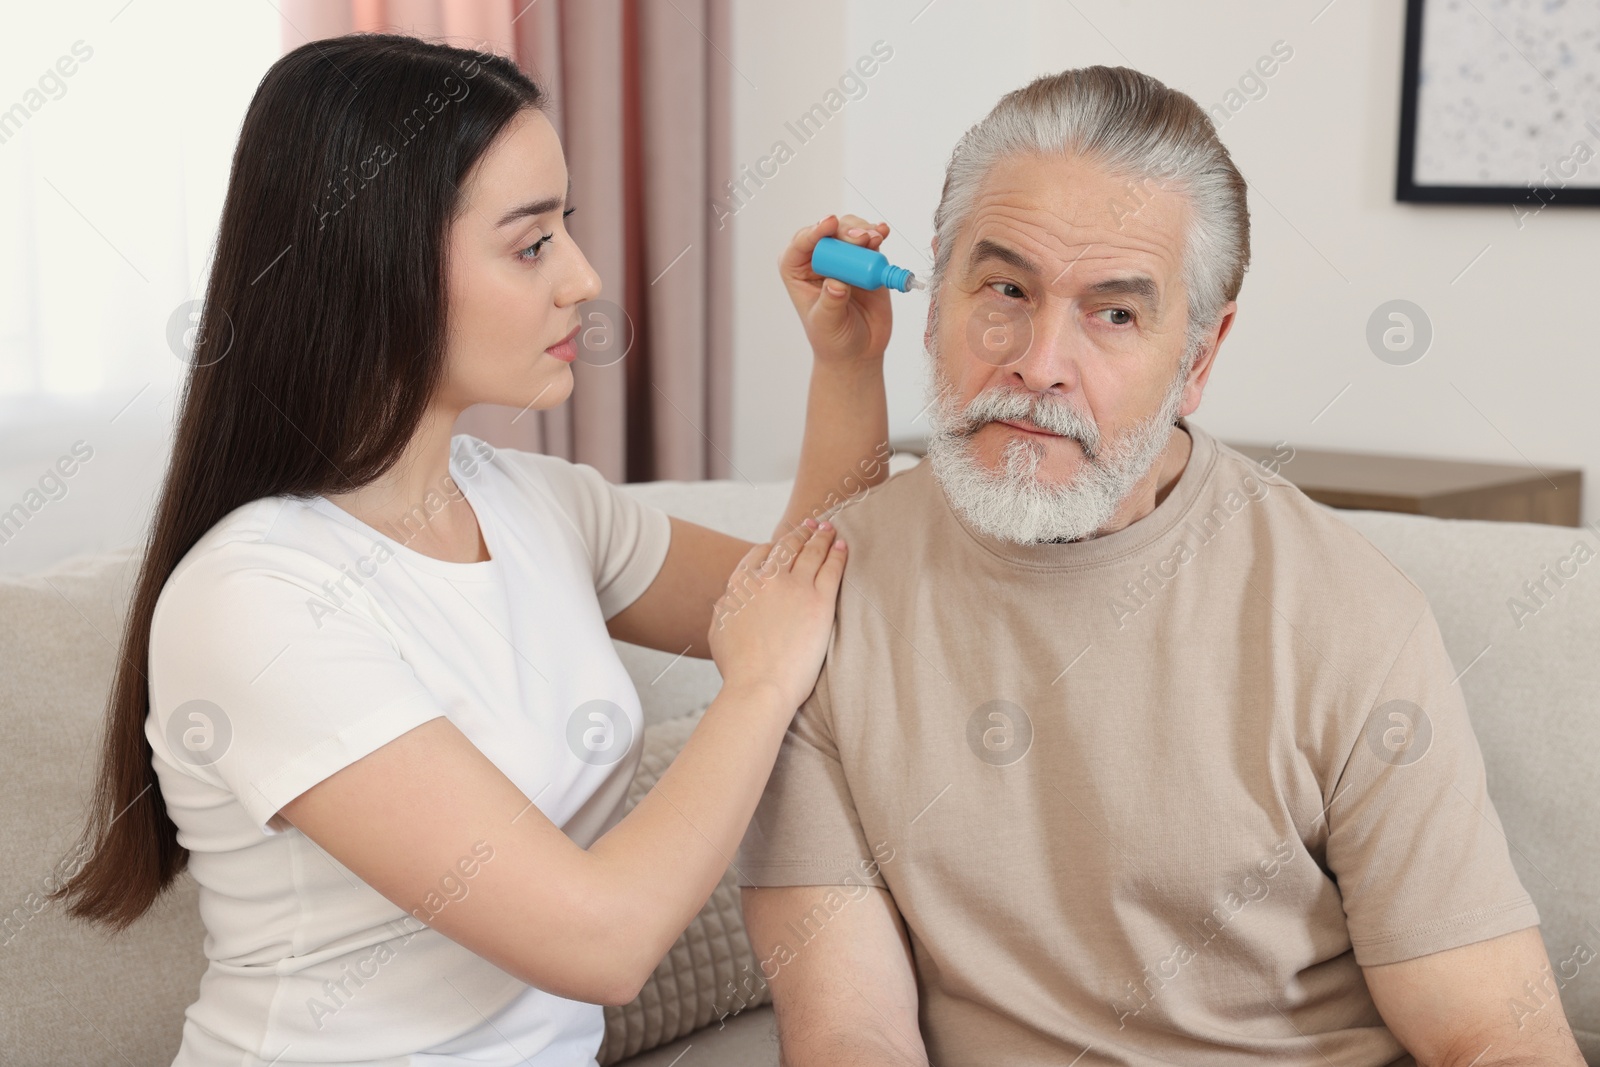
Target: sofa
72	995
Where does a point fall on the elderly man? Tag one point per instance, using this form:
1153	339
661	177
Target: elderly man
1124	751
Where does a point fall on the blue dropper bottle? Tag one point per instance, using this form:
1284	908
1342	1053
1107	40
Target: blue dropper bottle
860	266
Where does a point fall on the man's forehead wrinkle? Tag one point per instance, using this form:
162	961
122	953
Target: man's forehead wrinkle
1011	229
1065	247
1080	200
1044	202
1024	207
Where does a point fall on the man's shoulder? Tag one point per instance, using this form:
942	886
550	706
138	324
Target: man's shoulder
895	507
1326	555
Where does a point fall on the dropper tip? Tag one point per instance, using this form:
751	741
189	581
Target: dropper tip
915	282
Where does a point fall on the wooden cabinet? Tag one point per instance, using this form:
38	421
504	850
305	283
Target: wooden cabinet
1442	488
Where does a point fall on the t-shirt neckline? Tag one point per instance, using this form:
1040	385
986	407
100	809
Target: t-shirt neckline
1126	541
480	570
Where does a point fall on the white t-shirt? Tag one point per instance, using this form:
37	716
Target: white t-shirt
292	640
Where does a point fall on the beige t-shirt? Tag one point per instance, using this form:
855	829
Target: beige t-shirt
1153	797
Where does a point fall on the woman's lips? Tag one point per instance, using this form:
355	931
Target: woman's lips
566	349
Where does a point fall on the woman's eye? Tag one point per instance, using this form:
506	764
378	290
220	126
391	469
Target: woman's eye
532	251
1008	289
1127	316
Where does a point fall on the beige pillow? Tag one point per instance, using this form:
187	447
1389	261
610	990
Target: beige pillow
710	972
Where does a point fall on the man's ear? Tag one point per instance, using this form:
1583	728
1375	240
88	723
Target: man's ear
1200	373
933	297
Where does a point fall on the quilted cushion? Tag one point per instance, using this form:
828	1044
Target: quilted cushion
710	972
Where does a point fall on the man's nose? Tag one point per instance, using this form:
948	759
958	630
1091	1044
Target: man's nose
1051	359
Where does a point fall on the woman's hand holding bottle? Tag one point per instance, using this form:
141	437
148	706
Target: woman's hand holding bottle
843	324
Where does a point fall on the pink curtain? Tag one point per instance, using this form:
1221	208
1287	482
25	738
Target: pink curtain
640	98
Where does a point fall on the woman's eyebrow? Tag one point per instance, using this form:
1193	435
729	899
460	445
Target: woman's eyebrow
536	207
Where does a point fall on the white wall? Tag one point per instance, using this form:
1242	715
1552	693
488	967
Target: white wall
1511	373
1514	364
117	186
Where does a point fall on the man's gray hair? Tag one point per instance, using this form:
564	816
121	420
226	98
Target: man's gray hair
1135	128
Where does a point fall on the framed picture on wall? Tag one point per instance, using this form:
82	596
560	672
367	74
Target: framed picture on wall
1500	103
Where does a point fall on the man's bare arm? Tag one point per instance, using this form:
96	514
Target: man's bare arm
1470	1005
848	996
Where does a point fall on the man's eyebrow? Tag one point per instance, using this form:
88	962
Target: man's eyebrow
536	207
984	249
1137	286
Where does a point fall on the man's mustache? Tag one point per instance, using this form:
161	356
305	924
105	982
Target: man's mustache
1057	416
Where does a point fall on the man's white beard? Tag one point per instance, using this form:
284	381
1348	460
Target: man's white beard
1011	503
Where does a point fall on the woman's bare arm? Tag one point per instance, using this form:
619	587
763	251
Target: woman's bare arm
432	824
843	452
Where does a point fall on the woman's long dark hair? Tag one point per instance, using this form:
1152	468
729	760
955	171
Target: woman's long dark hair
320	345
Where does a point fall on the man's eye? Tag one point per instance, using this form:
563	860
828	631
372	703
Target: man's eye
1127	316
1009	289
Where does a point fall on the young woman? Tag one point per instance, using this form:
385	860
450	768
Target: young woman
382	722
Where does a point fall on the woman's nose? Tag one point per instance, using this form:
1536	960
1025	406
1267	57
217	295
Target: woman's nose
580	282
